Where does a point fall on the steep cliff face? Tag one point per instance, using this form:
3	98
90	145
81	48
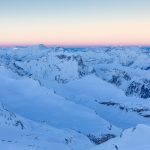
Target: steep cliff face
140	89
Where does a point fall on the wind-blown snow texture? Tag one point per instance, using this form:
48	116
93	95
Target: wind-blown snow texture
73	99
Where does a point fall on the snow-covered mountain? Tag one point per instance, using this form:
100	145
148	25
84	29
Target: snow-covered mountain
131	139
82	96
17	133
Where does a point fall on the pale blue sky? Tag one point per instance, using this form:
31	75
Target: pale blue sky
33	21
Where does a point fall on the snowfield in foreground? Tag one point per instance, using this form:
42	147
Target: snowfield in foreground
17	133
74	99
131	139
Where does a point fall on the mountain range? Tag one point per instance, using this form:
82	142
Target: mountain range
55	98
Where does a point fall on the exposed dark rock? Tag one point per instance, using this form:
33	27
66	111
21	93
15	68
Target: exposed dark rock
116	80
68	140
65	57
140	111
119	76
60	80
101	139
19	123
140	89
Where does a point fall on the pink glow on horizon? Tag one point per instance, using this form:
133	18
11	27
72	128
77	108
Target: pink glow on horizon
75	22
113	33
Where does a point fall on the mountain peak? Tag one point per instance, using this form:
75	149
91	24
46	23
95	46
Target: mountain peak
42	46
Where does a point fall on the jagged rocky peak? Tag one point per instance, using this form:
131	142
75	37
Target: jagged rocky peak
58	49
36	47
139	88
42	46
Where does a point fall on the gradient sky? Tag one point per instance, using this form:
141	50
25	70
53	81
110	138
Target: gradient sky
75	22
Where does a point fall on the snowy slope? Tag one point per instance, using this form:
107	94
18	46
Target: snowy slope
44	64
124	67
85	94
19	133
131	139
106	99
43	105
121	66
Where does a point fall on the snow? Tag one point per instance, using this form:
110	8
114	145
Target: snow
43	105
131	139
100	91
65	97
30	135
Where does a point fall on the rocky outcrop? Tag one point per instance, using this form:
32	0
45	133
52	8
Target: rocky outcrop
8	118
102	139
140	89
142	111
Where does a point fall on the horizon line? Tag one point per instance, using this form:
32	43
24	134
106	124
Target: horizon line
76	45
